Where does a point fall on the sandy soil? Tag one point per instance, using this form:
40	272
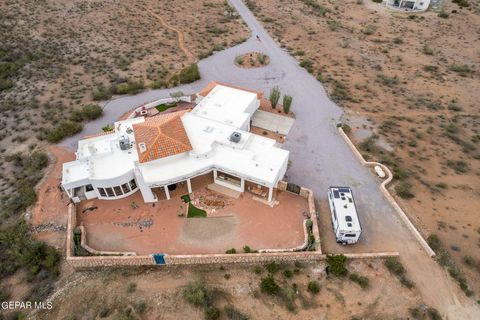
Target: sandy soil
163	227
160	290
414	79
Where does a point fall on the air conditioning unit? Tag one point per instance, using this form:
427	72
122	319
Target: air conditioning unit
235	137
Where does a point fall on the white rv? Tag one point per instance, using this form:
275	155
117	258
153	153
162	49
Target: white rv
346	225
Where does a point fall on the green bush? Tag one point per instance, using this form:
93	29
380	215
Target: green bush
360	280
287	273
247	249
272	267
197	294
87	112
268	285
101	93
132	287
62	130
234	314
129	87
313	287
434	243
404	190
231	251
462	69
212	313
336	264
395	266
189	74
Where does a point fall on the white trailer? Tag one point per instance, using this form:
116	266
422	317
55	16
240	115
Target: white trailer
346	225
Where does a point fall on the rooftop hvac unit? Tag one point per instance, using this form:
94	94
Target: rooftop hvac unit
235	137
124	143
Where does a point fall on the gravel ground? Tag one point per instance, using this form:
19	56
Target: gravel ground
319	156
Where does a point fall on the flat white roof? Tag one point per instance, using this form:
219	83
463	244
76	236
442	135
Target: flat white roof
226	105
208	127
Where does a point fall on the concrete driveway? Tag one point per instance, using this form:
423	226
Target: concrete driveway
272	122
319	157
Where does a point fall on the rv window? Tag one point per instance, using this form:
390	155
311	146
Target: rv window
348	218
350	235
335	214
336	195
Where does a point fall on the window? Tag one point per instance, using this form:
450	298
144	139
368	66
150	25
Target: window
350	235
102	192
133	185
125	188
110	192
118	191
335	214
88	188
348	218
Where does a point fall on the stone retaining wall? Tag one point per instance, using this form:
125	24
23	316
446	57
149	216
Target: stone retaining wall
386	193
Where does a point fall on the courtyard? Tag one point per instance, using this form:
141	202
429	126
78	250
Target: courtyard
130	225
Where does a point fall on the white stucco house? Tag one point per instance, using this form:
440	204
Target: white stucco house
408	5
150	154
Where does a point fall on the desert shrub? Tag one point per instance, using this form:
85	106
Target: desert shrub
212	313
313	287
132	287
257	269
87	112
317	8
140	307
272	267
459	166
261	58
287	103
444	15
268	285
107	128
369	29
404	190
62	130
19	249
234	314
287	273
239	60
129	87
427	50
395	266
360	280
387	81
398	40
346	128
197	294
461	69
307	64
377	1
101	93
274	96
247	249
231	251
434	242
189	74
336	264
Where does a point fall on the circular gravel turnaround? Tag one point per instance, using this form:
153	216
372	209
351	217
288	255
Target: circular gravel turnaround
252	60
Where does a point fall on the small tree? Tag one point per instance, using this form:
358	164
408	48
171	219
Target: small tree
287	103
274	96
176	95
336	264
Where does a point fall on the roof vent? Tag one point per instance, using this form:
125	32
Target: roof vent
142	146
235	137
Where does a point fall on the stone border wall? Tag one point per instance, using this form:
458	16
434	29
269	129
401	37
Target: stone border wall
387	194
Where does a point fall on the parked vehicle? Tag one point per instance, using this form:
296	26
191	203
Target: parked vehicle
346	225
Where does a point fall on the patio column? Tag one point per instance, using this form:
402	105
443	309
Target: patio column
270	194
189	186
167	193
215	174
242	184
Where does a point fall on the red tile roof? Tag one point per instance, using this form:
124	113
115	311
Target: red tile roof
163	136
